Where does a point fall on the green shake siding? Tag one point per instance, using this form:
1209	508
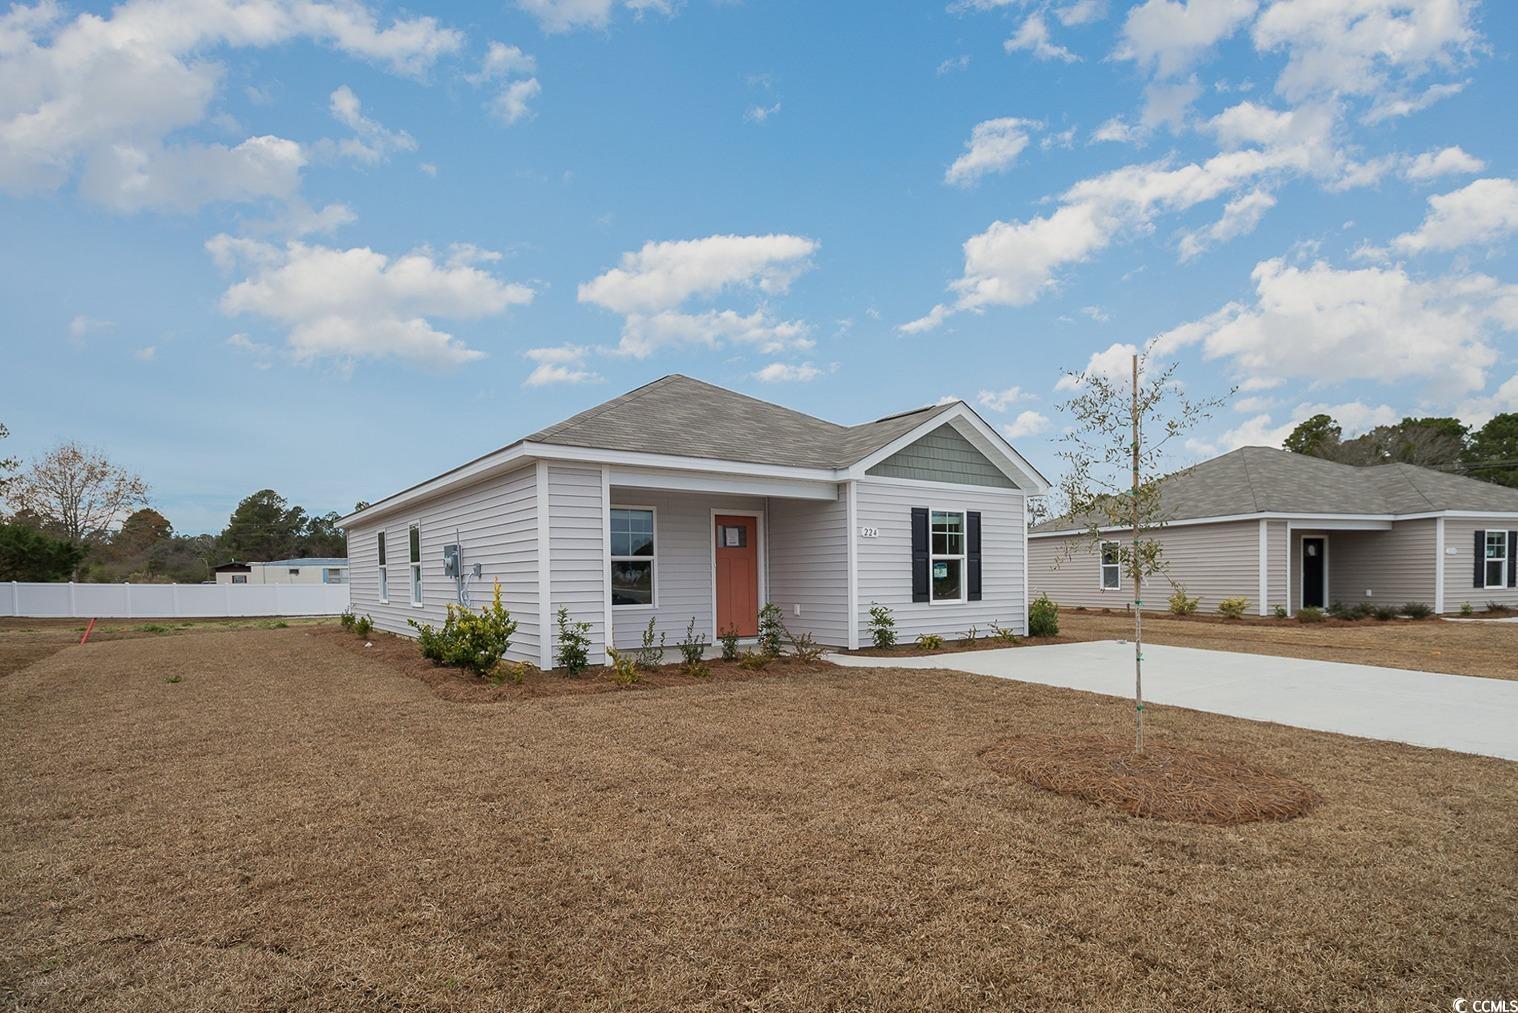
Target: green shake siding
943	456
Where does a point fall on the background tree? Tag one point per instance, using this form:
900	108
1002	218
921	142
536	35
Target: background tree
322	536
1493	451
27	554
1113	478
77	493
1316	437
263	527
1430	442
140	532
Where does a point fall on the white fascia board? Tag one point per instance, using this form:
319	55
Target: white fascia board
1003	454
1328	522
624	476
553	452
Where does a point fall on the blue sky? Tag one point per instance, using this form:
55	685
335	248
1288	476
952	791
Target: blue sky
334	248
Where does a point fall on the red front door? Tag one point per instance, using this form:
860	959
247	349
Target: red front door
737	574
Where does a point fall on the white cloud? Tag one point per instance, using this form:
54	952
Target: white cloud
99	98
662	275
993	146
357	303
1116	131
1354	417
784	372
1254	403
1327	325
1240	217
147	353
1033	36
372	143
1063	139
1028	423
1001	400
1167	103
503	61
567	15
1169	37
1392	106
511	105
1114	363
83	326
1445	162
1477	410
1358	48
760	113
508	64
643	334
1081	12
1482	213
262	355
561	364
954	63
1096	313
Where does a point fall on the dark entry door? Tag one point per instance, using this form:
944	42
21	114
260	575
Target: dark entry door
1314	569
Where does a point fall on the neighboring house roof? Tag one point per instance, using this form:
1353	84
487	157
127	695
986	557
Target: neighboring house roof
308	561
1253	480
683	417
233	567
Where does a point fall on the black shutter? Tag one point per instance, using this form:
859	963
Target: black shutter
1480	559
972	555
919	553
1512	564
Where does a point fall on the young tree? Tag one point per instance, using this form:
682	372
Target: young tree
1113	480
77	492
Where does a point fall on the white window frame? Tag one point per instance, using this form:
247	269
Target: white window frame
1102	566
239	578
384	569
652	561
963	556
415	565
1487	559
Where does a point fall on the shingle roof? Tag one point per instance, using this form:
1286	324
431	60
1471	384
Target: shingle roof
1264	480
308	561
683	417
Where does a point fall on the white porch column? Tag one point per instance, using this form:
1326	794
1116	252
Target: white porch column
1264	564
545	581
851	509
1438	565
606	557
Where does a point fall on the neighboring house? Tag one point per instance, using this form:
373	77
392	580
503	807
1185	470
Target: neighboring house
681	501
1286	529
305	570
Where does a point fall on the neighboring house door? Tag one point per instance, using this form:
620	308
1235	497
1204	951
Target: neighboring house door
737	573
1314	572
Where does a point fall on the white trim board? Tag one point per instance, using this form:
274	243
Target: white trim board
1327	522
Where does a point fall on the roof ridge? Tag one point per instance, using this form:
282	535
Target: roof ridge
605	406
1249	480
758	400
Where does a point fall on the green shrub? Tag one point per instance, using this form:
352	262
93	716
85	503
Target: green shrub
473	640
1309	614
152	628
1384	612
1279	612
1466	610
1004	633
1043	617
573	655
804	648
882	626
1417	610
363	625
1233	608
624	672
772	634
1363	610
650	655
754	661
930	641
1181	604
692	650
729	638
347	619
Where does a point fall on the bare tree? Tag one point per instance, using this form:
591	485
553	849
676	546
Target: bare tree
7	464
1112	481
77	492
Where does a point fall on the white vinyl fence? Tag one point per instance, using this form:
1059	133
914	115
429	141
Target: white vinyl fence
170	601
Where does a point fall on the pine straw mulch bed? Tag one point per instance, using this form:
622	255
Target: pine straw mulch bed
1164	782
910	649
460	686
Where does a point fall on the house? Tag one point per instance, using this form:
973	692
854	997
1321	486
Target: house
683	501
304	570
1286	529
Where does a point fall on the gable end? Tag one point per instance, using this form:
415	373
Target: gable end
943	455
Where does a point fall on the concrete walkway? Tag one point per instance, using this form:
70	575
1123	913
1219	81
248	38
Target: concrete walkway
1458	712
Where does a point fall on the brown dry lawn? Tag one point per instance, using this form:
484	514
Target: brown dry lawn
297	826
1483	648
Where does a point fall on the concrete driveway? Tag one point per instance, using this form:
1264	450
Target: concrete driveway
1458	712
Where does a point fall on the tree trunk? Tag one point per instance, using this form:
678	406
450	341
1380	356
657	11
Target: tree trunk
1138	581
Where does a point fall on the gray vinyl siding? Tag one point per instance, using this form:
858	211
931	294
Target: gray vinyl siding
495	521
683	541
1383	567
943	455
1276	554
809	566
577	535
1211	561
1459	569
885	562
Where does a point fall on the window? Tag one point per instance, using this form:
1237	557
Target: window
946	560
333	575
1112	569
239	578
632	557
1496	559
384	575
416	564
295	571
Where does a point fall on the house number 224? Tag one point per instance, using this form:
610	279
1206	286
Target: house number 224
869	532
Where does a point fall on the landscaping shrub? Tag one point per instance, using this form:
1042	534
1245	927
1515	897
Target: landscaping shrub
1233	608
1495	606
972	634
650	655
574	645
1279	611
882	626
624	672
1309	614
772	634
1466	610
729	638
347	619
693	650
1043	617
1004	633
753	661
1417	610
805	648
469	639
1384	612
363	625
930	641
1182	604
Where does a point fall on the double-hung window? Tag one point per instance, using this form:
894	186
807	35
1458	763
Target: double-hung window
384	574
946	560
1112	568
632	557
416	564
1496	559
